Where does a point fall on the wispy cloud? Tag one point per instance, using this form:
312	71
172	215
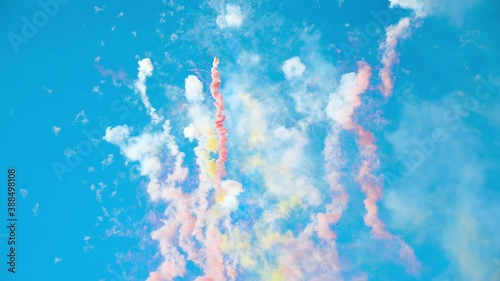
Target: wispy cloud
56	130
145	70
231	17
35	209
81	117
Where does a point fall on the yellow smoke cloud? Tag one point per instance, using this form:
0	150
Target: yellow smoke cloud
212	144
278	275
287	205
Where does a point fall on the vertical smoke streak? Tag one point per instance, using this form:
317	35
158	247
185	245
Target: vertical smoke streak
393	33
370	184
215	258
340	109
146	70
214	268
176	230
339	196
372	188
219	122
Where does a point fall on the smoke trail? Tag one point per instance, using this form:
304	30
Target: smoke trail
339	196
370	184
340	109
145	70
215	259
393	33
214	267
176	230
368	153
219	122
372	188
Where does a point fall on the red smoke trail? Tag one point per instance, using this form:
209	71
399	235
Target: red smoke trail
219	121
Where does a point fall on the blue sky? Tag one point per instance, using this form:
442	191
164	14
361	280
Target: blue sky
362	139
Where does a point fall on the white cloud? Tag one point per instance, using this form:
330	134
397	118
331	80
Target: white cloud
108	161
293	67
96	90
24	192
99	9
418	6
232	190
57	260
232	17
146	66
87	247
35	209
197	112
50	91
56	130
117	135
147	149
455	10
340	107
194	89
81	117
68	152
98	192
247	58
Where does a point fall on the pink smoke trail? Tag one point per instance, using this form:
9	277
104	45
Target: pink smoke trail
180	225
219	122
371	186
350	96
214	270
368	151
394	33
369	183
333	155
215	259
